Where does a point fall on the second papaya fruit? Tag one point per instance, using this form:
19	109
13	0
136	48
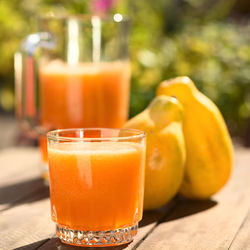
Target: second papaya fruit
208	144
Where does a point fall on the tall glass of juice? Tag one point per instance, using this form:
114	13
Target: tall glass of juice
96	184
73	73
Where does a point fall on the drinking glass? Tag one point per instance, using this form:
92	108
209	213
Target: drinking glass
73	73
96	184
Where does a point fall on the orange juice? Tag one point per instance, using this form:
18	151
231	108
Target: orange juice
83	95
96	185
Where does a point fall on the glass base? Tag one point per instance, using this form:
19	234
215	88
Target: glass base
96	238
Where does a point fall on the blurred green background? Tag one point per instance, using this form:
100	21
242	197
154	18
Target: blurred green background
207	40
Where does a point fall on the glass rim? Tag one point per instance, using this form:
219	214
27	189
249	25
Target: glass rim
83	17
53	135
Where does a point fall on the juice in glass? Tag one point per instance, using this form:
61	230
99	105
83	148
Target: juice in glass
96	184
83	95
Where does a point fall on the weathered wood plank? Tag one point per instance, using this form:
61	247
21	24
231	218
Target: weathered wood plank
32	246
18	164
20	175
209	224
242	238
15	194
26	224
22	194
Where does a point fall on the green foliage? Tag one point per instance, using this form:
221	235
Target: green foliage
168	38
214	55
191	39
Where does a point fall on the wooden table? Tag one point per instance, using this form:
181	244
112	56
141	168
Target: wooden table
223	222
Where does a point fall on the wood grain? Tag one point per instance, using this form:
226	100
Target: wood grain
24	203
220	223
210	224
19	164
26	224
242	238
20	175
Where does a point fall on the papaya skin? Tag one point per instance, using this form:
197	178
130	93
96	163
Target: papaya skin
208	144
165	151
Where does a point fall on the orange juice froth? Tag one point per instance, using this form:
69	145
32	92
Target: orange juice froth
96	185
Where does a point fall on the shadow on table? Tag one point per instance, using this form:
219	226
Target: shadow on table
33	246
23	192
157	215
189	207
177	208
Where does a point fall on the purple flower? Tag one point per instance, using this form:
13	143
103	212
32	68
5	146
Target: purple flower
102	6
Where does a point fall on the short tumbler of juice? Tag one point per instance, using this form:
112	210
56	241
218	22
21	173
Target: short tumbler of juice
96	184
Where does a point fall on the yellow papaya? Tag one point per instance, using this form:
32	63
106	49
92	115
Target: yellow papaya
165	151
208	144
